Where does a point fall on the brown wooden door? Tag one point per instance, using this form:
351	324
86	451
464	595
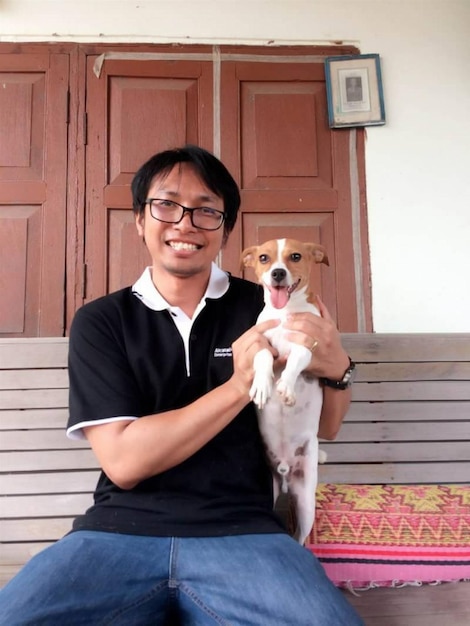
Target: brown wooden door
33	168
134	109
294	172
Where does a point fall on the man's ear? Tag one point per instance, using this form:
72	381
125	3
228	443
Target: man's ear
140	224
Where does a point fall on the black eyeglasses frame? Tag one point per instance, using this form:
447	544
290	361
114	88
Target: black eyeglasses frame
186	209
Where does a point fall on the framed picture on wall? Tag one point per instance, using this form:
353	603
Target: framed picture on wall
354	91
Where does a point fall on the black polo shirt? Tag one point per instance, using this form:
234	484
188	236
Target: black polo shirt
126	359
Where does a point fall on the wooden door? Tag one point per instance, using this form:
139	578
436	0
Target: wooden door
134	109
266	116
294	172
33	167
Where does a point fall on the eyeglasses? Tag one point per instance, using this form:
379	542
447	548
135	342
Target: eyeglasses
171	212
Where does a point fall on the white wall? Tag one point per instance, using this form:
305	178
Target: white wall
418	165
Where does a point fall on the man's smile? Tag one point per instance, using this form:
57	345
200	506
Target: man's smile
182	245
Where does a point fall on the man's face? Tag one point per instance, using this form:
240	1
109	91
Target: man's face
181	249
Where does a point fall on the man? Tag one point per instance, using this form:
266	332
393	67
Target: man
183	528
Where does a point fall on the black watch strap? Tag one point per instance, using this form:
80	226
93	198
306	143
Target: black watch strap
345	382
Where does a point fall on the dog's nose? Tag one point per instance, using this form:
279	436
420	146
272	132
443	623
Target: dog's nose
278	275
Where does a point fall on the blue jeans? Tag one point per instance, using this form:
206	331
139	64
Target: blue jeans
96	578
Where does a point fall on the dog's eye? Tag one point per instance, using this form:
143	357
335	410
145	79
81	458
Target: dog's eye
295	257
263	258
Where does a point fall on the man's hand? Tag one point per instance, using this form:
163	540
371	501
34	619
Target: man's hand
244	350
321	336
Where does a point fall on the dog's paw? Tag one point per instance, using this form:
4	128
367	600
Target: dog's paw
322	456
286	393
261	390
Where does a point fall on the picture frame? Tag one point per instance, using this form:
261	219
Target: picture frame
354	91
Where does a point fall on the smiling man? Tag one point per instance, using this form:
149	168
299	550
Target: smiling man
182	530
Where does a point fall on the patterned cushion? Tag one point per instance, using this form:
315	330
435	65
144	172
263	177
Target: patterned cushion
389	535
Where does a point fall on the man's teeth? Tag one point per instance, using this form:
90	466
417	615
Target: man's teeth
180	245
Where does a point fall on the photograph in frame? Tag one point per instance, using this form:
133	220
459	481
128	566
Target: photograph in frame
354	91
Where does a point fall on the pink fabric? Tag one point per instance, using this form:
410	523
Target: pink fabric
361	565
387	535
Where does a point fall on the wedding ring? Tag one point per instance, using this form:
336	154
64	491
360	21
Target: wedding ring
314	346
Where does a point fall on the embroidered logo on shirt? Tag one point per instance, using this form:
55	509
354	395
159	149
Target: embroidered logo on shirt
221	352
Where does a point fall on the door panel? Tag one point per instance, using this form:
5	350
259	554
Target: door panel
293	170
33	166
147	107
282	137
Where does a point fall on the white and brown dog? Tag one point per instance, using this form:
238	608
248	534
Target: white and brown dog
289	418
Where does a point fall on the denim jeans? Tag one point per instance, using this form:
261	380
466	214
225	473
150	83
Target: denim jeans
96	578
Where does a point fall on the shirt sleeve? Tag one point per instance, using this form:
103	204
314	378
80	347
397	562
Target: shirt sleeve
103	387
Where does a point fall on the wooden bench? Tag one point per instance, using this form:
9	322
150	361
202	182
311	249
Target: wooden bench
411	389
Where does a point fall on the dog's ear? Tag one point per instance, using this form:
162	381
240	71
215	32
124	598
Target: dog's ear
247	258
318	253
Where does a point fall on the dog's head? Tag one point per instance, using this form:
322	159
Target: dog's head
282	266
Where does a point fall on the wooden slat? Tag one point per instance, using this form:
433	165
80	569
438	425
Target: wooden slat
48	482
34	418
19	553
57	505
415	347
31	461
33	352
381	372
7	572
420	390
394	473
408	411
47	352
414	431
46	439
34	379
426	605
46	529
402	451
34	398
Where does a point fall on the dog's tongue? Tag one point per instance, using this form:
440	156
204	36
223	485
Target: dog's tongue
279	297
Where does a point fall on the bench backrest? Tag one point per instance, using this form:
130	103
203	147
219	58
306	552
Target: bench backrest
409	423
45	479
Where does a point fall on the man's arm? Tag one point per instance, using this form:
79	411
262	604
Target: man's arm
131	451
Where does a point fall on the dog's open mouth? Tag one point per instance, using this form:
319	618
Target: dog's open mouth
280	294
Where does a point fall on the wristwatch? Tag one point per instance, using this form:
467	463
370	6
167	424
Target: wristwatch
345	382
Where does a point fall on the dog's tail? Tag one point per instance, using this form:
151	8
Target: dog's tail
283	470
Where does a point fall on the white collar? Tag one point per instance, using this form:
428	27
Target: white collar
145	290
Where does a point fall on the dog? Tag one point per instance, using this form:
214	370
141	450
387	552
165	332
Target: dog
289	418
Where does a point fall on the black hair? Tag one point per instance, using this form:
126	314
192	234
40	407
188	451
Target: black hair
211	170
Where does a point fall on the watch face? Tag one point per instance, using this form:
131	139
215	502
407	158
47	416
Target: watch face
350	374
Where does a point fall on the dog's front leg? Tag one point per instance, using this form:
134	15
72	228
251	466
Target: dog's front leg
298	359
263	380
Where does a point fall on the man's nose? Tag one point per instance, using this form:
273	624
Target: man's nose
186	221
